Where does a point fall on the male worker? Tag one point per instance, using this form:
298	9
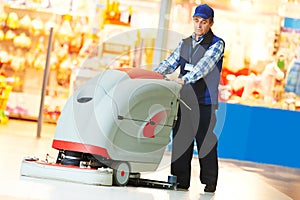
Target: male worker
200	58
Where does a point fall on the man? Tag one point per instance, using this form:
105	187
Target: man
200	58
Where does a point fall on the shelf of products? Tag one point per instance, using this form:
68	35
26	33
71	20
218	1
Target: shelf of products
24	33
23	49
256	65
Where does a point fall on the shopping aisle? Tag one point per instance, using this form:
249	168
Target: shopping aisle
237	180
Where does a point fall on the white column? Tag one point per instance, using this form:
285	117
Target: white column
162	33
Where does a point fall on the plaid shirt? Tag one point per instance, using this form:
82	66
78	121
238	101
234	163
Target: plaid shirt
205	65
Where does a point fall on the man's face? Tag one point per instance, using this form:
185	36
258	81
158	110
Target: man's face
201	26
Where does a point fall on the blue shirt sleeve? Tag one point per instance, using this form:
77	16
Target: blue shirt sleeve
170	64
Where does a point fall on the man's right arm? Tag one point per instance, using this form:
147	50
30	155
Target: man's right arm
170	64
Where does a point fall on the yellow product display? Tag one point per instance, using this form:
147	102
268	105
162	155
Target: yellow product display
65	32
13	20
113	14
10	35
4	94
18	63
3	17
22	41
4	57
39	62
1	35
37	26
25	22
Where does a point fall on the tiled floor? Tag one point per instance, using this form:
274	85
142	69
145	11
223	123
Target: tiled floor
237	180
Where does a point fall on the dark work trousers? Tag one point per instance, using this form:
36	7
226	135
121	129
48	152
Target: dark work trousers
197	123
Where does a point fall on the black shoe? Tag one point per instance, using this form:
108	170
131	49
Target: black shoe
210	188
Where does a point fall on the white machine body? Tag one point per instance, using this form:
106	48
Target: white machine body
111	116
122	116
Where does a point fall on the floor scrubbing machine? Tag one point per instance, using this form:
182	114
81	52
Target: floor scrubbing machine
111	129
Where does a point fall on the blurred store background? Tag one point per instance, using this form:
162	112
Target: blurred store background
261	67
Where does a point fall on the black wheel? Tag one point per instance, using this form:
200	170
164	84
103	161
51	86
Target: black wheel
121	173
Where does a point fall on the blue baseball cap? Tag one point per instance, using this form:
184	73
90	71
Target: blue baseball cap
204	11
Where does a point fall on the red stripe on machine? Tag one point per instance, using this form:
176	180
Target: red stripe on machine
149	129
78	147
141	73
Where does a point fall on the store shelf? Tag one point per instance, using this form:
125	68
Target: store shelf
40	12
30	118
26	106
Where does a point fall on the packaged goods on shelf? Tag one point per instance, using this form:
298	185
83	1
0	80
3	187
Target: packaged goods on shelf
24	34
5	90
293	78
